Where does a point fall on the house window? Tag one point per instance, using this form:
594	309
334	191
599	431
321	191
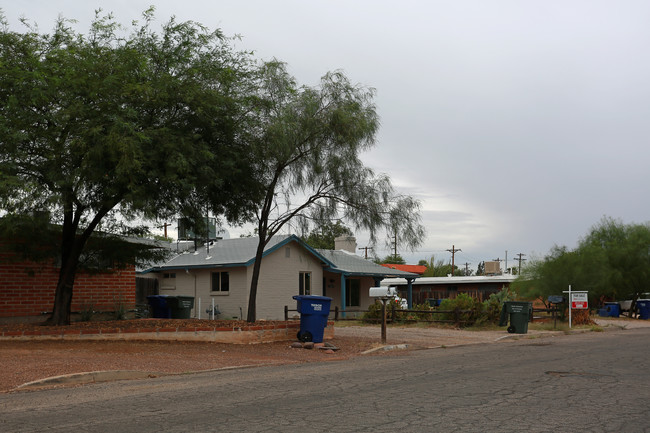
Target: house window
304	283
220	282
352	293
169	275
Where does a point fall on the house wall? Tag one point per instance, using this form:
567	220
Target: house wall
278	283
279	280
198	283
333	290
27	289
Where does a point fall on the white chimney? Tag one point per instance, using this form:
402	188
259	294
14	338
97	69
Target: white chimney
346	243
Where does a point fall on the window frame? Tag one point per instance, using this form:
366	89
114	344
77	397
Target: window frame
218	277
304	283
349	289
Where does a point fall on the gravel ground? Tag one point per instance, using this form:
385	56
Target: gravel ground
27	361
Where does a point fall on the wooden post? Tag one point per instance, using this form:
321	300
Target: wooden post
383	321
286	313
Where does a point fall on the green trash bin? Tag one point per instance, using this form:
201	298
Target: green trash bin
519	314
180	306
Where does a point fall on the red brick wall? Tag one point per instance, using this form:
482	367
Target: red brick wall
27	289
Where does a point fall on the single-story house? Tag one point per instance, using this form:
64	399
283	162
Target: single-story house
480	287
221	273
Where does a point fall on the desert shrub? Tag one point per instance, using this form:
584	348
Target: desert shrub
579	317
494	304
87	312
120	309
424	307
472	309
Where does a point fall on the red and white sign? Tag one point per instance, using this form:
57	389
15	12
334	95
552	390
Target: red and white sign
579	301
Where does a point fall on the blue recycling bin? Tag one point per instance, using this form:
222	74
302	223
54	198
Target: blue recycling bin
610	309
160	308
314	311
643	307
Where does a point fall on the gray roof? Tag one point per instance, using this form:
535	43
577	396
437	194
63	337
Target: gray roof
241	252
351	264
227	253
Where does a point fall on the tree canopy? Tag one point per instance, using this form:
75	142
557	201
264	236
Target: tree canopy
611	262
311	140
115	125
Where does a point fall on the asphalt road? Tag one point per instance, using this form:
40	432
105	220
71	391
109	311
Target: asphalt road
593	382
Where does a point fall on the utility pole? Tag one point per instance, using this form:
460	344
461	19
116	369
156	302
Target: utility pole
498	260
165	227
453	251
520	255
467	268
366	250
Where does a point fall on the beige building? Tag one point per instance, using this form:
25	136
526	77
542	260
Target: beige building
221	276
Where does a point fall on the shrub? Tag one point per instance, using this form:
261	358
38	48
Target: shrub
472	310
374	312
494	304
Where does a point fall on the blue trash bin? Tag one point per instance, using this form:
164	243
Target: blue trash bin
314	311
643	307
610	309
160	308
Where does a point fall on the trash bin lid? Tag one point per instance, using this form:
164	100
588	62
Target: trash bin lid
311	298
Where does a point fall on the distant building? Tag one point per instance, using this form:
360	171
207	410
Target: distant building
479	287
414	269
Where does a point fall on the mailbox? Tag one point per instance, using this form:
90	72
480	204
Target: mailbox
383	292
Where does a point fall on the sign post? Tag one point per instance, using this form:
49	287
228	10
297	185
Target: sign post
577	300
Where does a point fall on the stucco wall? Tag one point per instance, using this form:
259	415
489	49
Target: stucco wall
279	280
278	283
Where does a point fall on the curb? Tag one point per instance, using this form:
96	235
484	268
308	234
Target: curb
88	377
115	375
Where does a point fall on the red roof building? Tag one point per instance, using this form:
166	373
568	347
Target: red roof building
416	269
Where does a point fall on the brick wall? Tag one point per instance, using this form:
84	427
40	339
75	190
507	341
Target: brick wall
27	289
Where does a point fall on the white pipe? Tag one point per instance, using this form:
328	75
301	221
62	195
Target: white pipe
199	308
212	309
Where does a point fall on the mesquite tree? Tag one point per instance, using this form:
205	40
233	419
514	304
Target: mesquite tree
310	140
116	124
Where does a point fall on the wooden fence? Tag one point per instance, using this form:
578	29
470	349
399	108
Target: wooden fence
394	315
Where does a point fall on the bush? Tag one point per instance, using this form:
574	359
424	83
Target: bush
374	312
472	310
494	304
423	307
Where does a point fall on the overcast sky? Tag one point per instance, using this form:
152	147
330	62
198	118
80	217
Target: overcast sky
518	124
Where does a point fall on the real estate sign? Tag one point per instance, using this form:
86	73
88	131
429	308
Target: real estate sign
579	301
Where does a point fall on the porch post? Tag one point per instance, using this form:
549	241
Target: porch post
343	295
409	292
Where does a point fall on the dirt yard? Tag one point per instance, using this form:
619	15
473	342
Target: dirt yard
26	361
31	360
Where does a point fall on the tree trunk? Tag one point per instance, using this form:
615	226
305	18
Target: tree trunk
64	288
72	245
251	316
